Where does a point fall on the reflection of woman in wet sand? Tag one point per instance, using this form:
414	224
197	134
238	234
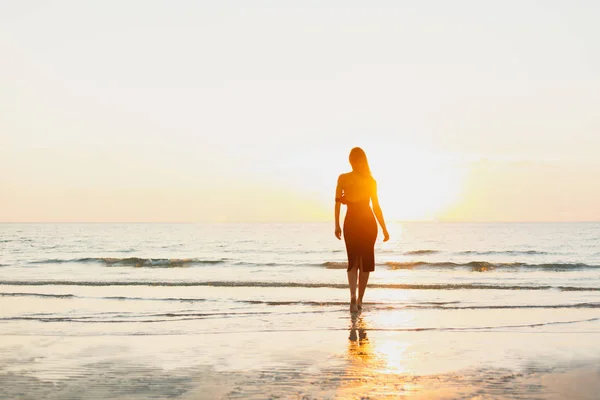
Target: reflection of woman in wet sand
365	375
358	330
357	190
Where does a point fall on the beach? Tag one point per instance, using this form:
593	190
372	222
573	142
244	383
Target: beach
208	311
176	176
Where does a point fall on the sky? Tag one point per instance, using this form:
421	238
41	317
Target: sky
189	111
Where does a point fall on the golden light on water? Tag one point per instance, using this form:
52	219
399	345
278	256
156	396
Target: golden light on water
393	353
376	368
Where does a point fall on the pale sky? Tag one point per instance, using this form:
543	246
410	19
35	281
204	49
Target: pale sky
245	111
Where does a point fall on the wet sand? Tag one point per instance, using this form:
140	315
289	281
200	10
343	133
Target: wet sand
305	363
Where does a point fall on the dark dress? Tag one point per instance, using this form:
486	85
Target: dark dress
360	233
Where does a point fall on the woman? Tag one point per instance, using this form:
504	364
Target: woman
357	189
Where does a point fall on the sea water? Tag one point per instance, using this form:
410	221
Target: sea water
235	285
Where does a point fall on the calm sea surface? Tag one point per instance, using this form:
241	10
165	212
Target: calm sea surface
132	280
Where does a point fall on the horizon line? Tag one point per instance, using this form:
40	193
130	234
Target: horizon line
306	222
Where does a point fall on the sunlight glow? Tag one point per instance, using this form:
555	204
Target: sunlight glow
416	183
394	353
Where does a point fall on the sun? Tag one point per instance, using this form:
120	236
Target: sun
416	184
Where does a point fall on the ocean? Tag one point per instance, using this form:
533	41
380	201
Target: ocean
261	310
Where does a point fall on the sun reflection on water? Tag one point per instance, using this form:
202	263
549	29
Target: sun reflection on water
375	369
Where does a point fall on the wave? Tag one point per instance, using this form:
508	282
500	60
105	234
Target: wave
482	266
422	305
335	265
57	296
485	328
509	252
135	318
509	307
269	264
450	286
425	305
384	305
72	296
420	252
480	252
474	265
133	261
180	299
158	262
479	266
196	316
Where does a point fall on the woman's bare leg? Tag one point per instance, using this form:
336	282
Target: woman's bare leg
352	283
363	279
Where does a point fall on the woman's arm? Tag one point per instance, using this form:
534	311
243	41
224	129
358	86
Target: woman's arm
378	212
338	195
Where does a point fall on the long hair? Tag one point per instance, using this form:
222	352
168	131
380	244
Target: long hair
359	162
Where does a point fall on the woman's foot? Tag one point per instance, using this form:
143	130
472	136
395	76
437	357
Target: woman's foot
359	305
353	305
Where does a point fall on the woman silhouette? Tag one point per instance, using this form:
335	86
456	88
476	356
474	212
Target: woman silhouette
357	189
